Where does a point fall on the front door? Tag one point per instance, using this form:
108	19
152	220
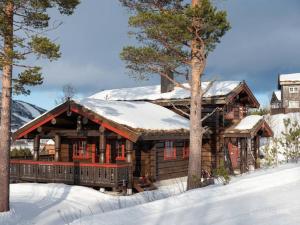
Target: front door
234	154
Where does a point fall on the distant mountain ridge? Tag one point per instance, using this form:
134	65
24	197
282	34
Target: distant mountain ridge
23	112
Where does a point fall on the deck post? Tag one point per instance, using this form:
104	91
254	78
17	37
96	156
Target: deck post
57	140
36	148
129	151
102	145
250	153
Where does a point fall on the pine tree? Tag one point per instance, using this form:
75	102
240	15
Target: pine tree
23	24
176	38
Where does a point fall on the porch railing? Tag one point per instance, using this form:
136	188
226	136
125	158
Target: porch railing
275	111
87	174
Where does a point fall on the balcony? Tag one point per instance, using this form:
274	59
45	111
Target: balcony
73	173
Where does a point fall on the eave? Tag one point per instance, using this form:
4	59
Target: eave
72	106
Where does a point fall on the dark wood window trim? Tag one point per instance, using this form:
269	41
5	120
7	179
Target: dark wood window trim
120	147
186	150
80	149
169	150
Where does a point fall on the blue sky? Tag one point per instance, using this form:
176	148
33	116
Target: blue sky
264	41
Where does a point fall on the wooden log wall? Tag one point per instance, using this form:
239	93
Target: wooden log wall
66	151
167	169
287	96
149	160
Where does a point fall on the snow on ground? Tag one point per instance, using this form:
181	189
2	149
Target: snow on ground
32	110
262	197
276	122
219	88
22	118
265	197
58	204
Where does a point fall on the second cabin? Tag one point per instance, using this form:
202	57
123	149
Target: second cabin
233	138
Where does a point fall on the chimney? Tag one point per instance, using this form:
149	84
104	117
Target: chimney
165	84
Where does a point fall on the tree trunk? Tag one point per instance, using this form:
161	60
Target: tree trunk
6	107
196	130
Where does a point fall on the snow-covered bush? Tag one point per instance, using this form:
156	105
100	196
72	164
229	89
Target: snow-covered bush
270	153
222	174
291	140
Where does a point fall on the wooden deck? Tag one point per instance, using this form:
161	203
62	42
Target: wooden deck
86	174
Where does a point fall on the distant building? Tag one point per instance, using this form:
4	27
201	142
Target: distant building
287	98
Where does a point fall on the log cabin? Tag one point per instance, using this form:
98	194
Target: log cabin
105	144
234	137
287	98
113	137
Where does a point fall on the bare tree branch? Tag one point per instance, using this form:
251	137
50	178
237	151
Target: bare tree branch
209	114
180	110
210	84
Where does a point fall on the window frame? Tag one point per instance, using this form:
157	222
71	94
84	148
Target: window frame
295	103
293	90
170	149
120	148
186	150
80	148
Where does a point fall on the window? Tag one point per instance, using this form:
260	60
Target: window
186	150
80	150
293	90
120	147
275	105
170	150
236	112
293	104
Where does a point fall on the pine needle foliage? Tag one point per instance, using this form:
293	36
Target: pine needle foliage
31	22
165	30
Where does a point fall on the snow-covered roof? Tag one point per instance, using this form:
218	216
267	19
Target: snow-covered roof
289	77
219	88
249	126
249	122
138	115
278	95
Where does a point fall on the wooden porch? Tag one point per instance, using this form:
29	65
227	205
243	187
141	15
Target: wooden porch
74	173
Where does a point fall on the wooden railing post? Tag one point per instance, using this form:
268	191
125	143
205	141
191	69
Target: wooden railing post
102	145
57	156
129	152
36	148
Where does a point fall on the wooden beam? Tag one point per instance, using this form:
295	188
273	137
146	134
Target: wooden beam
57	140
129	150
61	121
36	148
72	132
102	145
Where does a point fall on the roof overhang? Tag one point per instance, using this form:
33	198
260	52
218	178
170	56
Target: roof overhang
72	106
253	102
214	100
129	133
262	125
